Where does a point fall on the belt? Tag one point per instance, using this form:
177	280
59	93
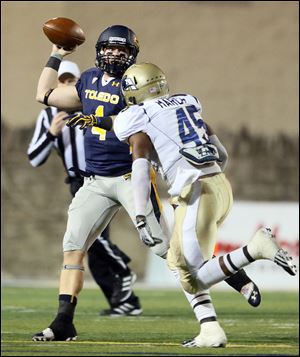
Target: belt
125	176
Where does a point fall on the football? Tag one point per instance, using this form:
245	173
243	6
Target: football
64	32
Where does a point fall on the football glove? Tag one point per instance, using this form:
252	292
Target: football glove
82	120
145	232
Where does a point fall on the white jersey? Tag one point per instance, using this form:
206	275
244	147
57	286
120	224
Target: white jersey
170	122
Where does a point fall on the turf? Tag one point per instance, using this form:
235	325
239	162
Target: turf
270	329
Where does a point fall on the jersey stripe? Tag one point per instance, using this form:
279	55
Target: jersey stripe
69	144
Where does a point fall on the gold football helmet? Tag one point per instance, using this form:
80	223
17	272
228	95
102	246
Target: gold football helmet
142	82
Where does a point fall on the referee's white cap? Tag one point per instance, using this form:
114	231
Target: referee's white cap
69	67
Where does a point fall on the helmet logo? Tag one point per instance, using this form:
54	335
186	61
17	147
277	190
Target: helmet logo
117	39
127	83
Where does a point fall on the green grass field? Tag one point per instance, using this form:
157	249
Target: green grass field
270	329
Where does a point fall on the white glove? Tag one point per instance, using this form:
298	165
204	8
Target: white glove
145	232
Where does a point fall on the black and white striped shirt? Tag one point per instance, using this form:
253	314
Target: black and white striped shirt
69	144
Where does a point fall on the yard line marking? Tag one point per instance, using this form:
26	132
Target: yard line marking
233	345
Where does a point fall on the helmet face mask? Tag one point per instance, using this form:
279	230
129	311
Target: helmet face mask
142	82
116	36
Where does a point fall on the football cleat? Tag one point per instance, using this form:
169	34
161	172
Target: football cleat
67	334
211	335
283	259
251	293
45	335
189	343
241	282
125	309
264	246
122	288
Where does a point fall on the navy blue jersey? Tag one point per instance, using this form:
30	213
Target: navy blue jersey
105	154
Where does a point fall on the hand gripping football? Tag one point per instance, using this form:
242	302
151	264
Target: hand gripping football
64	32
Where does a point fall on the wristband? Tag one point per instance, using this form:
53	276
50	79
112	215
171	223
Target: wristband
140	220
105	123
53	62
57	55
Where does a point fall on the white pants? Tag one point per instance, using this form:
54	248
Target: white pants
94	206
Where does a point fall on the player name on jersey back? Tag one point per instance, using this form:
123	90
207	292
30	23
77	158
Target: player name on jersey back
171	101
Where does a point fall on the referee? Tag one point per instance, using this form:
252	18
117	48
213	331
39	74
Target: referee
107	263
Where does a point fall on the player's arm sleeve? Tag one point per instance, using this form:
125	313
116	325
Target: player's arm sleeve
141	177
141	184
223	155
129	122
42	141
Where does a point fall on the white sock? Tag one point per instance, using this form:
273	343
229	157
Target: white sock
219	268
200	303
202	306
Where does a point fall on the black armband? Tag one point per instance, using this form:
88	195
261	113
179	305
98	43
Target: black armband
105	123
53	62
46	96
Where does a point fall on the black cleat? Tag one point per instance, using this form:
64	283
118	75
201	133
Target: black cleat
122	288
251	293
124	309
49	335
57	331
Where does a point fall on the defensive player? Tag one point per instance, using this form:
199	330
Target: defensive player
169	129
107	185
107	263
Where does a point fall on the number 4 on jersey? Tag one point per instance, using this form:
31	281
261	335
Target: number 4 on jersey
97	131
